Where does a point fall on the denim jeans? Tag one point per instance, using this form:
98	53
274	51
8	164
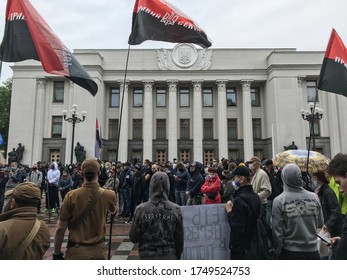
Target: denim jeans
126	197
181	198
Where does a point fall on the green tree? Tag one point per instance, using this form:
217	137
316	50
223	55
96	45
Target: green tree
5	107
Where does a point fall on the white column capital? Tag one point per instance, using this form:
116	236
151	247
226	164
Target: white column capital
41	82
197	84
221	84
300	80
72	84
246	84
148	84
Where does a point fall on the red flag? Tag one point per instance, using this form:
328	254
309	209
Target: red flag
333	75
159	20
28	36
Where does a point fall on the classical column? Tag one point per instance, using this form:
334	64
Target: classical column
172	121
247	120
197	122
124	123
334	131
68	127
37	136
148	120
222	120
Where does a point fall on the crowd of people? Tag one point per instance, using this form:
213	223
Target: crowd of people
148	196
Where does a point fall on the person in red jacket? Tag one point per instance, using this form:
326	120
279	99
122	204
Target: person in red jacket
211	187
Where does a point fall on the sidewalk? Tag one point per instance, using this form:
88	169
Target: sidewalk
121	249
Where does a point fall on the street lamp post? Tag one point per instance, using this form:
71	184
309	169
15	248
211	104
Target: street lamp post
313	116
73	120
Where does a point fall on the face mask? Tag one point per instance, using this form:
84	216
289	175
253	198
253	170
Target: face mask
314	184
211	175
250	166
236	185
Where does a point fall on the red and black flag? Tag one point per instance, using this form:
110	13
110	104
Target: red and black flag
159	20
28	36
333	74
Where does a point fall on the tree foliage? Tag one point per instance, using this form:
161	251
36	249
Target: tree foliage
5	107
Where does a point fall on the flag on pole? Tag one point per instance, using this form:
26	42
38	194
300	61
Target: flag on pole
28	36
1	140
159	20
98	141
333	74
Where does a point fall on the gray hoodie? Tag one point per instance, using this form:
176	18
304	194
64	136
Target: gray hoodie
158	223
296	215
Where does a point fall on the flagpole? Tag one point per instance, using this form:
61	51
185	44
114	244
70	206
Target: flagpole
117	149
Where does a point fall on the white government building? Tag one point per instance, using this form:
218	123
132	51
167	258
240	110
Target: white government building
183	103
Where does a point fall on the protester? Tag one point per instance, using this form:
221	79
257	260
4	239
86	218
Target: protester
84	212
242	213
158	224
35	176
338	169
211	187
22	236
181	179
194	184
65	183
296	217
52	199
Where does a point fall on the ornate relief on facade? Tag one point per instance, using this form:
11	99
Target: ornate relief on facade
184	57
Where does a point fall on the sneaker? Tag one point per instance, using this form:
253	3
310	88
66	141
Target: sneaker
45	210
129	222
54	210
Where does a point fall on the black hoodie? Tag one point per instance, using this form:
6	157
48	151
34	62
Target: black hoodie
158	223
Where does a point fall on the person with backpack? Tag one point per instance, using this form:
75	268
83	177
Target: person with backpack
242	214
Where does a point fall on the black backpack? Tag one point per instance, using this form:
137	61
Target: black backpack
260	247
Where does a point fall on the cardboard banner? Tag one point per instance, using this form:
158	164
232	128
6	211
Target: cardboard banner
206	232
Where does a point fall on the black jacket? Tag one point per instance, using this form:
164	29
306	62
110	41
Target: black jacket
331	210
242	221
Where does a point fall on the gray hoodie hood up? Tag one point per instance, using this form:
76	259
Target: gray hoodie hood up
291	176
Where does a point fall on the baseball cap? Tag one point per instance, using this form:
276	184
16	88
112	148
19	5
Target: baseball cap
90	165
241	170
25	191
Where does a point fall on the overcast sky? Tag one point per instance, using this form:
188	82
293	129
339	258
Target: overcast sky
105	24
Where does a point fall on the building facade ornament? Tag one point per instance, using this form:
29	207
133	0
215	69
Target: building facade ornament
184	57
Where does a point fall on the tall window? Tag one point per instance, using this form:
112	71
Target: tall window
232	129
161	129
161	97
208	128
207	97
138	97
316	129
184	97
231	97
58	92
255	96
114	97
137	129
113	128
311	91
184	128
256	128
57	126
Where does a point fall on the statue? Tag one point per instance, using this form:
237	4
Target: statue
291	147
12	156
20	150
80	153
